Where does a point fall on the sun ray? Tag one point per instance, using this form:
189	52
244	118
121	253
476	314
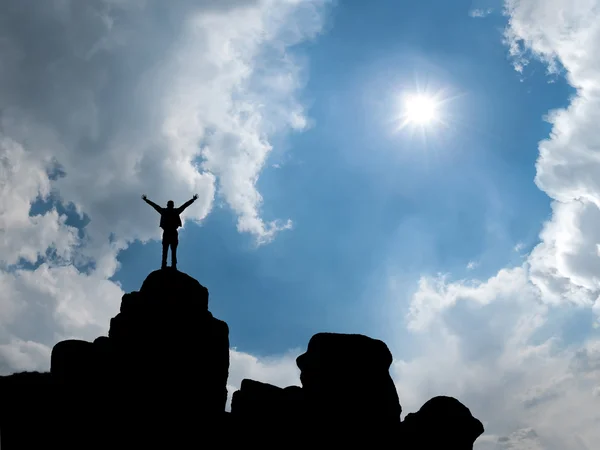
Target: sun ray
423	110
420	109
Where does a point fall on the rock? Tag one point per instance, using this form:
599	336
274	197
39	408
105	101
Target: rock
442	422
271	411
349	374
165	334
158	380
73	361
165	355
350	396
27	403
258	402
170	285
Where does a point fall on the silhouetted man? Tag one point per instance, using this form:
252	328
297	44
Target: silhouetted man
169	222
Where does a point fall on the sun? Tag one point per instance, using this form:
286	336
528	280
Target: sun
425	110
420	109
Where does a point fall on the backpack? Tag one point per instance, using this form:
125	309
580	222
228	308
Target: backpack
170	220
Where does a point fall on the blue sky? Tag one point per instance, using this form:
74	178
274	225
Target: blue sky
364	200
471	249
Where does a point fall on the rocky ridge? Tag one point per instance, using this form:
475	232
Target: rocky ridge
159	380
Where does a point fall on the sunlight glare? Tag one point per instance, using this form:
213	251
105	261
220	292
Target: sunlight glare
420	109
423	110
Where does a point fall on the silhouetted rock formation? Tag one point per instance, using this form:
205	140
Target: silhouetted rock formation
158	380
27	401
161	371
347	394
164	334
257	405
348	398
442	422
348	374
166	327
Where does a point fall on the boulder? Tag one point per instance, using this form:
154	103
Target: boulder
350	395
442	422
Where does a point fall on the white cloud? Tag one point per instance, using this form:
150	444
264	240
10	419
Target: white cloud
472	265
492	345
277	370
437	294
525	439
105	100
18	355
566	34
22	179
479	13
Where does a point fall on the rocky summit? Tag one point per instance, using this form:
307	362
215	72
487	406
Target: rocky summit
159	380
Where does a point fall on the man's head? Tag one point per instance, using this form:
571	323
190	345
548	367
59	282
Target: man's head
170	204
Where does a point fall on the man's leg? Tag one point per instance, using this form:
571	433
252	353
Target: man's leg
165	250
174	243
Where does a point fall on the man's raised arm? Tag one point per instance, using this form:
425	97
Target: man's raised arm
186	204
151	203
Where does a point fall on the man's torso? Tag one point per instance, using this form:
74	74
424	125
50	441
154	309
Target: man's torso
170	220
